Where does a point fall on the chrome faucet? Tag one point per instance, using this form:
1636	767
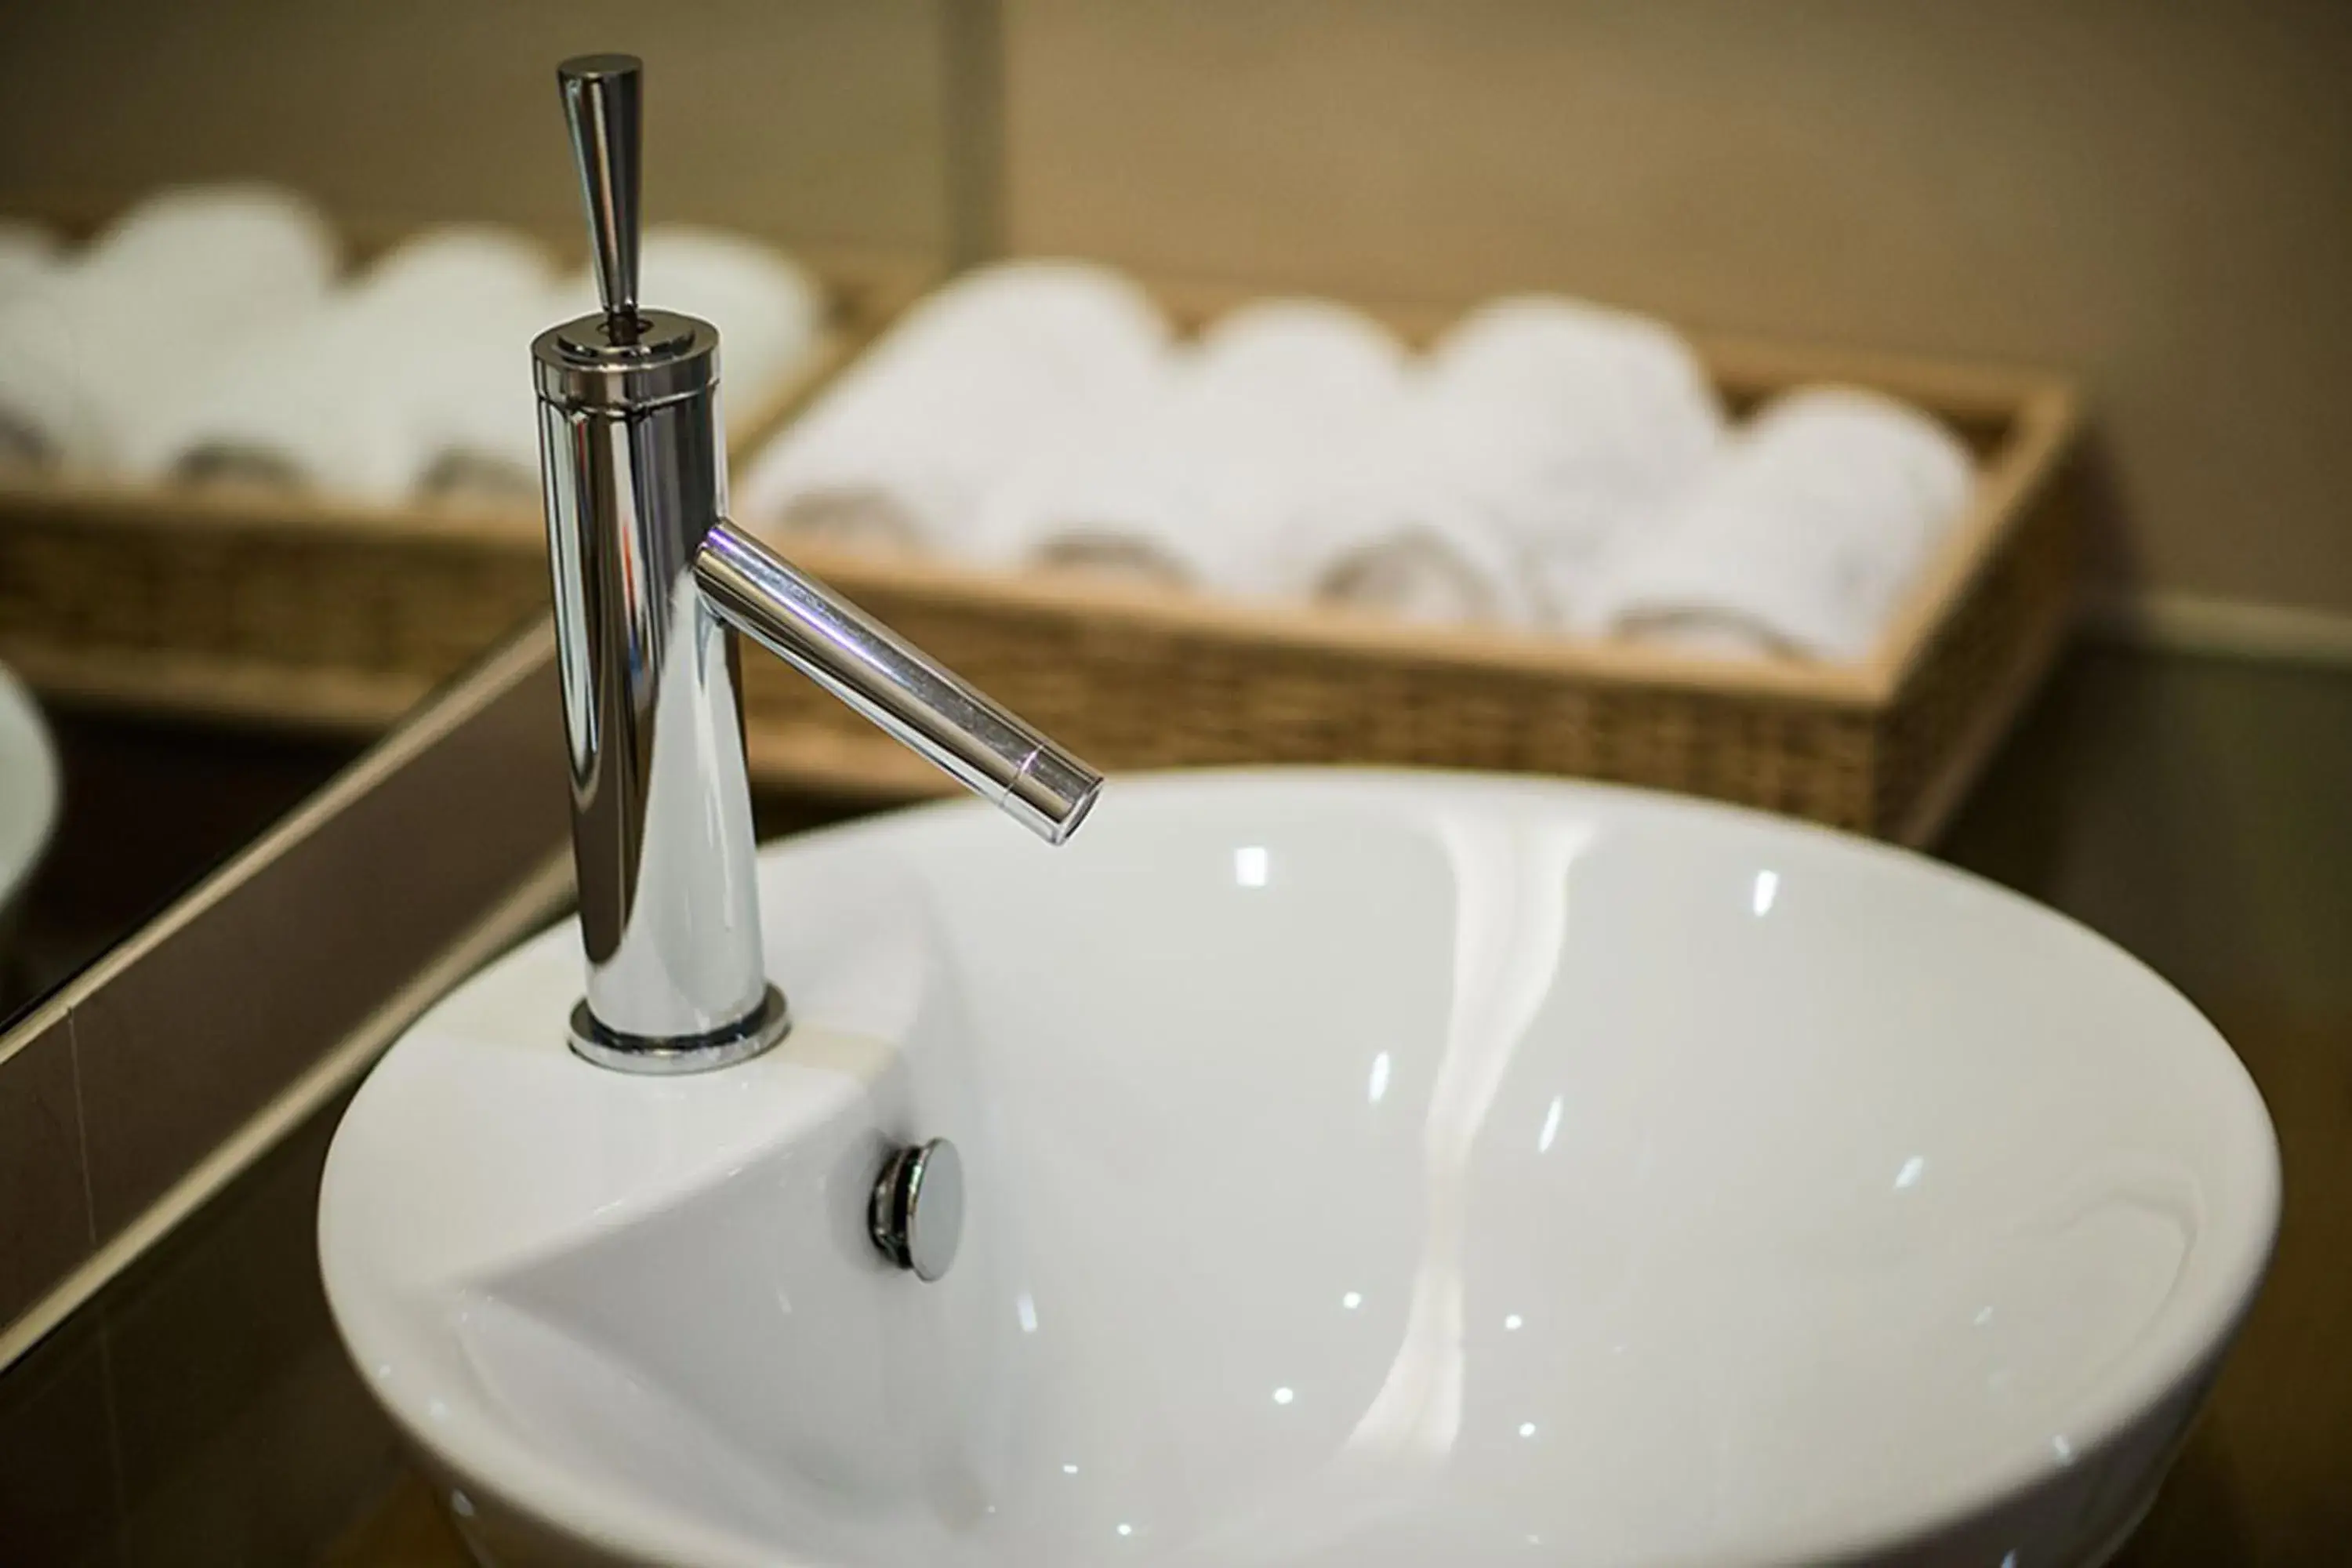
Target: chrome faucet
651	583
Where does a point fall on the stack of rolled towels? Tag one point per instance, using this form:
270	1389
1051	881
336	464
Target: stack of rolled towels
1545	463
210	333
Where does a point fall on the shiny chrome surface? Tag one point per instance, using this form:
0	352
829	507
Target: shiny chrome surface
667	358
645	569
661	805
653	1056
891	682
916	1215
603	102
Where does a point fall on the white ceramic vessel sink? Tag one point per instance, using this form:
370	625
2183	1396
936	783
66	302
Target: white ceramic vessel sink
1364	1169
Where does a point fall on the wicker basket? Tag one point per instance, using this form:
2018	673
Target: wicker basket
345	617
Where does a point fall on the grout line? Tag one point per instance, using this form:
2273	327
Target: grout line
82	1127
488	682
121	1472
534	901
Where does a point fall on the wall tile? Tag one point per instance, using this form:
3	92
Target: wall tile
59	1496
246	1434
788	117
45	1223
212	1021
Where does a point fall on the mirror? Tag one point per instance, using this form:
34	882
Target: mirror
268	451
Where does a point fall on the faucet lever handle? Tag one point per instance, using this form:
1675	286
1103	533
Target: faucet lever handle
604	102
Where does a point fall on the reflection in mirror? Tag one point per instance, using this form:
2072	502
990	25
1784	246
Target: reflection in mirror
106	818
267	446
269	279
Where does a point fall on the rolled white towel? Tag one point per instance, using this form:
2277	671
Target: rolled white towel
1395	526
1569	424
1058	317
97	347
352	396
767	307
465	407
1217	483
1128	504
268	413
1101	496
477	439
1313	364
1406	539
1634	372
454	271
984	380
246	249
27	252
1803	536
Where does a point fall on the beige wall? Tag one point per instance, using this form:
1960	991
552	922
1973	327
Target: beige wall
2158	194
795	117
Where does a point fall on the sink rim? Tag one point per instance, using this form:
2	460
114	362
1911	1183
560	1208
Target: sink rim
2174	1354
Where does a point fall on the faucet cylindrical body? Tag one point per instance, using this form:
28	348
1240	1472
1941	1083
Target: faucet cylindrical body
634	476
645	567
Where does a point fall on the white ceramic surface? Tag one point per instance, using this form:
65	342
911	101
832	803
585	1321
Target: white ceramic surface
28	793
1365	1169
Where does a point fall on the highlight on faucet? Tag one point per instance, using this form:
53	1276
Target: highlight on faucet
1543	464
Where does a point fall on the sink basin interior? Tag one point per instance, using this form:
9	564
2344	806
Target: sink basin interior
1368	1170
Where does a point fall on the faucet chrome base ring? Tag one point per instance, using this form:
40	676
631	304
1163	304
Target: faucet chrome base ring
771	1021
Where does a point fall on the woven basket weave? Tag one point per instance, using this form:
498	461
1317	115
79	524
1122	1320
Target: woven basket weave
294	611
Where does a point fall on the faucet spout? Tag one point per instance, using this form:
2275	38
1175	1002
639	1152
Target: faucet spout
894	684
